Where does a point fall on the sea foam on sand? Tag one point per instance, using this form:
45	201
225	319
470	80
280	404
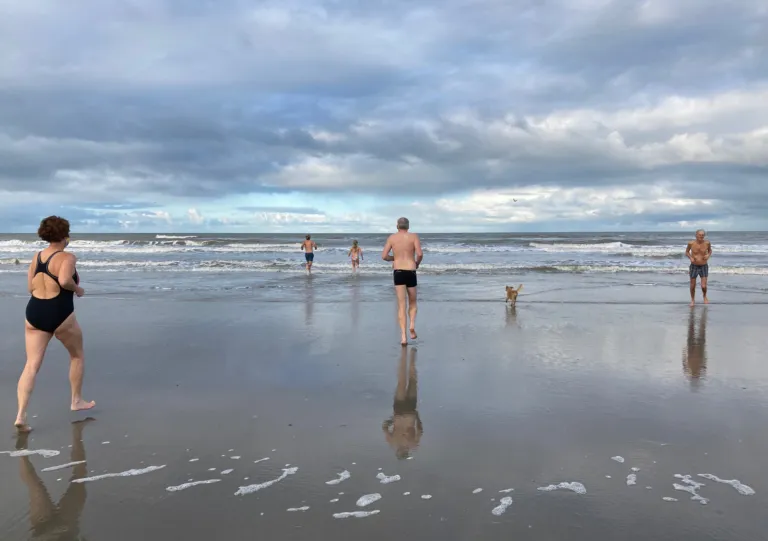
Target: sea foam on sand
192	484
574	486
250	489
127	473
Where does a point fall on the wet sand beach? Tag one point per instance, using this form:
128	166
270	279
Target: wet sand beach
520	399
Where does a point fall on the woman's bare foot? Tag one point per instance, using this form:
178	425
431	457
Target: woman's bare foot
413	334
80	405
693	303
706	300
403	340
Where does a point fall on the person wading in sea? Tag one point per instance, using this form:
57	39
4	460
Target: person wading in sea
309	248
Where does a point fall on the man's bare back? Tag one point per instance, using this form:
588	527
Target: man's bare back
406	250
308	246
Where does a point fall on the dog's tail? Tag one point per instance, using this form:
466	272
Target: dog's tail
519	288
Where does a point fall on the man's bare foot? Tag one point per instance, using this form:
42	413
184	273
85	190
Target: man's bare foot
21	426
80	405
413	334
403	340
693	303
706	300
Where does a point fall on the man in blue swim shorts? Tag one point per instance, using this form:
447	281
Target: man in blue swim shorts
309	248
698	252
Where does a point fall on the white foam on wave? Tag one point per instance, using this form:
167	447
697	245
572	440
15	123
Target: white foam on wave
185	486
335	500
298	509
235	457
740	487
45	453
226	472
668	499
343	476
635	469
506	491
368	499
426	497
619	459
500	509
261	460
385	479
63	466
356	514
194	459
631	479
573	486
250	489
127	473
477	491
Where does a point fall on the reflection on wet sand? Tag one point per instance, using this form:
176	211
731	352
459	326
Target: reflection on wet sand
355	301
404	429
309	302
512	316
56	521
695	352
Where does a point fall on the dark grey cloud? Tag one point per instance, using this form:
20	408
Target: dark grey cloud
150	104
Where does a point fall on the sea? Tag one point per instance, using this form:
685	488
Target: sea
472	266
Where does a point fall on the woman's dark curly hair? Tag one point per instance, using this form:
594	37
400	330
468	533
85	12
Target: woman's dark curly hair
53	229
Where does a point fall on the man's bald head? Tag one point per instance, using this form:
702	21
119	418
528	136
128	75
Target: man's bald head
403	224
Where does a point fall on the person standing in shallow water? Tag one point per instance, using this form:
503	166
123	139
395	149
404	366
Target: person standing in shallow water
403	249
698	252
52	281
355	255
309	248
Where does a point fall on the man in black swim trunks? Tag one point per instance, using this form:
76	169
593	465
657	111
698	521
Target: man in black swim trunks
698	252
403	249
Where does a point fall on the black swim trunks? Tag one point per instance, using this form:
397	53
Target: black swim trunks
701	271
309	257
405	278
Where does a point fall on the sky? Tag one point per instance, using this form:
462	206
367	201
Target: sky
342	115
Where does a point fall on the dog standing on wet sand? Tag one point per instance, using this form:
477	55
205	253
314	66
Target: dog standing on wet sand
512	294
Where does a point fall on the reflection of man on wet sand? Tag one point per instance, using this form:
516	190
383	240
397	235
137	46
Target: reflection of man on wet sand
695	353
403	430
50	521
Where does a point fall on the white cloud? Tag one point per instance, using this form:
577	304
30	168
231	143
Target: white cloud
195	217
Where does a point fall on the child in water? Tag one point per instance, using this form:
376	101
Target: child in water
355	254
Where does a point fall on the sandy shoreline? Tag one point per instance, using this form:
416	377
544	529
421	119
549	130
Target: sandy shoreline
518	400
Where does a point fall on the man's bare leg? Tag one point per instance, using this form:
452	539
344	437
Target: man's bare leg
401	313
704	290
693	291
36	343
71	336
412	309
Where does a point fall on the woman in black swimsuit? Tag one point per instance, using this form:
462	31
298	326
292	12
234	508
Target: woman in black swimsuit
53	282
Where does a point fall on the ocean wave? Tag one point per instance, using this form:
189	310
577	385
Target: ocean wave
296	265
172	244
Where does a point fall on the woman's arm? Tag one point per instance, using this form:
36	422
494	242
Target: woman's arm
66	273
31	273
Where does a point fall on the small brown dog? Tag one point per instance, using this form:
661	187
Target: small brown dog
512	294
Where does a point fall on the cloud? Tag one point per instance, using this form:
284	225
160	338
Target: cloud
344	108
195	217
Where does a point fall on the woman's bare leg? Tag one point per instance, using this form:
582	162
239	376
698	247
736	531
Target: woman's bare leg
36	342
70	334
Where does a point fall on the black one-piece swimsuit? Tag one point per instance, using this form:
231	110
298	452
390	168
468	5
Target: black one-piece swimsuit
48	314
